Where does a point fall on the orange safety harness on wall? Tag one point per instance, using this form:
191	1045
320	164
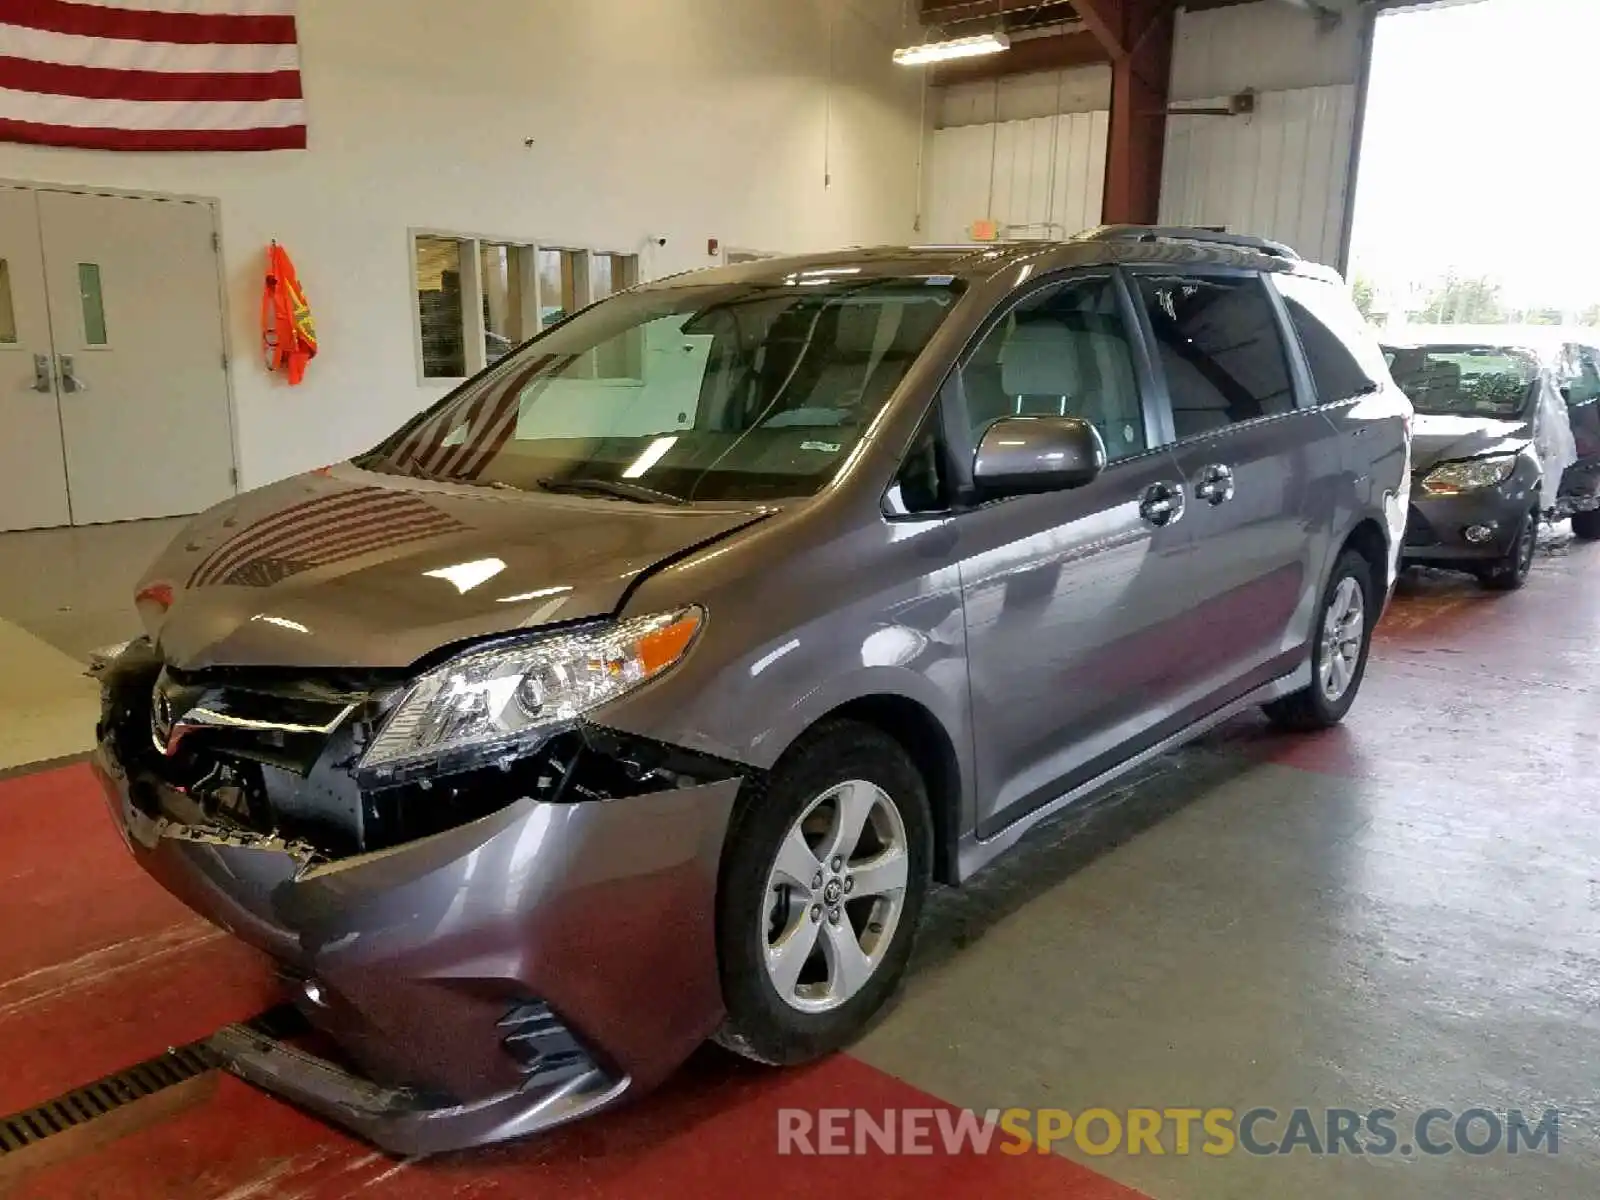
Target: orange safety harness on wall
288	334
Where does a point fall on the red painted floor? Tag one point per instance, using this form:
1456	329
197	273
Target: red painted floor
101	969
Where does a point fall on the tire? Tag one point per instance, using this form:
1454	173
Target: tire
1509	573
1317	707
1586	525
763	908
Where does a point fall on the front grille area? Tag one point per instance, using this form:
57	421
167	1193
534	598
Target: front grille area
543	1047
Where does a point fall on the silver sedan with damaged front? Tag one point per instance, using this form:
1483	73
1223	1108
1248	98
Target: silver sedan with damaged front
637	693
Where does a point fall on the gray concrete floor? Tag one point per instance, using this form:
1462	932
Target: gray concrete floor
1399	914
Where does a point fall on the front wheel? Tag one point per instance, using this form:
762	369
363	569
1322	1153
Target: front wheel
1586	525
823	879
1509	573
1338	651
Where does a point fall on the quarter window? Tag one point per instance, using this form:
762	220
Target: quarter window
1218	341
1341	353
1062	352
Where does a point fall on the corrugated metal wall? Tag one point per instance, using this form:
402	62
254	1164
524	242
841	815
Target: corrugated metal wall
1039	178
1281	173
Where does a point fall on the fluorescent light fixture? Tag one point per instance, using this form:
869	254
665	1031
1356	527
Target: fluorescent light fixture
469	575
966	47
654	453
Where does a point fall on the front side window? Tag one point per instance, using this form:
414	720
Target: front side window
1342	355
1219	345
1062	352
744	391
1467	381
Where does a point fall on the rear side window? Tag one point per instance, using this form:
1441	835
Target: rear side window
1343	356
1220	348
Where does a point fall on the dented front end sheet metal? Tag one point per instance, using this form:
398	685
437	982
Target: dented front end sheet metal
409	936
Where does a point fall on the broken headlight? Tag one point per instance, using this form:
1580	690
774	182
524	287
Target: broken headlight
1452	478
490	700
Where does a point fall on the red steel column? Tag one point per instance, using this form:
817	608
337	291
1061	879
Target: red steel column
1137	34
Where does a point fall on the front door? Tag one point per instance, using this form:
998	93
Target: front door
1070	597
135	310
33	473
1260	469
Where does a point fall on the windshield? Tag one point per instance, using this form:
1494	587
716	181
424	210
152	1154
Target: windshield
1466	381
729	392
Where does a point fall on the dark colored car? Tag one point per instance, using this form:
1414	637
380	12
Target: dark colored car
1506	434
578	722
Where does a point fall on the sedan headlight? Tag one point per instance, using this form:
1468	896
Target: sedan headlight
489	700
1453	477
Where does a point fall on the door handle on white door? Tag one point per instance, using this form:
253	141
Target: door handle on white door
41	374
70	383
1216	485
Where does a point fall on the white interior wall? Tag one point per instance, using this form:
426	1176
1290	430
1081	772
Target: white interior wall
683	119
1019	97
1026	151
1040	178
1281	173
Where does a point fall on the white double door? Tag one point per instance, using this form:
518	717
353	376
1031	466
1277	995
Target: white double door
113	380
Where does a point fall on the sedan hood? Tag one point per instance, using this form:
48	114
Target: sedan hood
1437	439
345	568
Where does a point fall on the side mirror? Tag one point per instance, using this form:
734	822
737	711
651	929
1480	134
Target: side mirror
1022	455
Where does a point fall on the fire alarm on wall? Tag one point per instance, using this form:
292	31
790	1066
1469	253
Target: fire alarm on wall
713	246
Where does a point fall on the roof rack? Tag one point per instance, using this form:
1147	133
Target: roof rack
1185	233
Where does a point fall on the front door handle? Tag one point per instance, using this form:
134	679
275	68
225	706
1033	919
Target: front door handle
1216	485
41	374
70	383
1162	504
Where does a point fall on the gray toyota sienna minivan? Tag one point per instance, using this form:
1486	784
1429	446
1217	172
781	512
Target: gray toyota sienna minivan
636	693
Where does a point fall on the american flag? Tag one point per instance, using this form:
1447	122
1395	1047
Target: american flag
320	532
151	74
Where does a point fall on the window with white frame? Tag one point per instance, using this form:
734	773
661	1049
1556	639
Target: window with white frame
479	298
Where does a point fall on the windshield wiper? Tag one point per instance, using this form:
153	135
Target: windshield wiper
620	489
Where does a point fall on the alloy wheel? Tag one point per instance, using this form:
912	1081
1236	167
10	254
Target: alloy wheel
834	896
1343	631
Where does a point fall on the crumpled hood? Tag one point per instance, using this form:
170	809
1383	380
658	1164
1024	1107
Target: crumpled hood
1437	439
347	568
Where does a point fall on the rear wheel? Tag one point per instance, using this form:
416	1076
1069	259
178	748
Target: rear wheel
1509	573
1586	525
1338	651
823	880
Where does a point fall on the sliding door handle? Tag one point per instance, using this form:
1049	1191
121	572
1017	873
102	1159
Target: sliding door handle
1162	504
1216	485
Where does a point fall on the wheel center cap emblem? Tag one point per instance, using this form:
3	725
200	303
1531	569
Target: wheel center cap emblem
832	892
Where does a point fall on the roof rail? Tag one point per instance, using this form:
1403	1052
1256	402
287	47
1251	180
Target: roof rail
1185	233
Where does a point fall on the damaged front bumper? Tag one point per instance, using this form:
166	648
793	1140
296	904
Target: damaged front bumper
485	982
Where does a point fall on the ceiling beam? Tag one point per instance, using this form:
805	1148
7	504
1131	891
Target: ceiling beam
1078	48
